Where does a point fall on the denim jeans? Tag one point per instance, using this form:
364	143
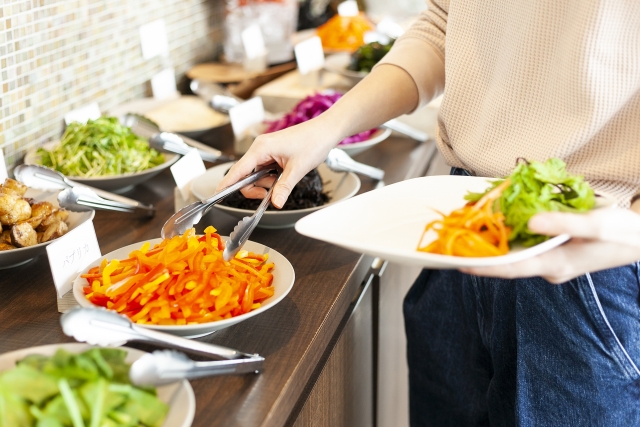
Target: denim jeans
495	352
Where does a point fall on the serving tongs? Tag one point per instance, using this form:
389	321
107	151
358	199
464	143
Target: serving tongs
186	217
46	179
339	161
97	326
172	142
218	97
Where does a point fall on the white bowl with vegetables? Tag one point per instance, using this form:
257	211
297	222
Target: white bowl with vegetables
33	397
103	154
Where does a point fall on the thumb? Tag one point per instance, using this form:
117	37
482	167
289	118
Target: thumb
283	187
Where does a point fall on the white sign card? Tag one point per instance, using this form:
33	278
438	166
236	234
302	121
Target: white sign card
153	39
3	167
186	170
163	85
245	115
69	254
82	114
348	8
253	42
309	55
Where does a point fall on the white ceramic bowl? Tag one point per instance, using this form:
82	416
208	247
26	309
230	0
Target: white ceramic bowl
338	64
16	257
358	147
339	185
115	184
179	396
283	279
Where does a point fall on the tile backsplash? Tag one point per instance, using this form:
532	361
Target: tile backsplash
59	55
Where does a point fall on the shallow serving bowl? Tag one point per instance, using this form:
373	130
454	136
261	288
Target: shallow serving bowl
16	257
339	185
283	279
338	64
179	396
114	183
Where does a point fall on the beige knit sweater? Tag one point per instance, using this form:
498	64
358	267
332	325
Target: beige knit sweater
533	79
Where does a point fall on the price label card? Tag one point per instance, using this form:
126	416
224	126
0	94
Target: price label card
82	114
309	55
163	84
253	42
186	170
245	115
348	8
69	254
3	167
153	39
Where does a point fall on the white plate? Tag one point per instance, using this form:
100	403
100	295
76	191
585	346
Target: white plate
389	222
179	396
115	184
283	279
358	147
338	64
16	257
339	185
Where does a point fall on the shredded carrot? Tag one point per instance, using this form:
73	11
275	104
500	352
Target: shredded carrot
475	230
182	280
344	32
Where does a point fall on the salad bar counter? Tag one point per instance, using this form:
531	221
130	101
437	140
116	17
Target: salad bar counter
300	337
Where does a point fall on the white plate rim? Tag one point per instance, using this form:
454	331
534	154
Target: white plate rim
202	327
334	64
73	347
380	135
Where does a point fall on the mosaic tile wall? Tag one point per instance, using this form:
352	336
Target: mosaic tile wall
58	55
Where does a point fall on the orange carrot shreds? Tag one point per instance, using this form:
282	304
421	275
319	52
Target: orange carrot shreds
475	230
182	280
344	32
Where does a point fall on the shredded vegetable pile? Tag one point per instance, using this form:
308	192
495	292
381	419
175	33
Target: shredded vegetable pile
310	107
89	389
506	207
183	280
101	147
344	32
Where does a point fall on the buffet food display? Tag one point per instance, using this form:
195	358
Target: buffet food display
344	33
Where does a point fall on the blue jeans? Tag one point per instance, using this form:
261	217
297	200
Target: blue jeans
494	352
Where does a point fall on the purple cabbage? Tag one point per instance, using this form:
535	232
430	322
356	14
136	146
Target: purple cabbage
310	107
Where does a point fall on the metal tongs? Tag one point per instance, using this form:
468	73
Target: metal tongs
339	161
186	217
171	142
97	326
75	196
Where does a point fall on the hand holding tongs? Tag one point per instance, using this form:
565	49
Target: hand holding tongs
98	326
43	178
172	142
191	214
339	161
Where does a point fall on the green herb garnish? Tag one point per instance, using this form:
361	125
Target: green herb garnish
368	55
102	147
539	187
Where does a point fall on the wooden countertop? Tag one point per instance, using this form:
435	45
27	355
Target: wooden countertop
295	336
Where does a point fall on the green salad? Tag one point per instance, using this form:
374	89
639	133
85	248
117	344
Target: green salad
539	187
101	147
89	389
368	55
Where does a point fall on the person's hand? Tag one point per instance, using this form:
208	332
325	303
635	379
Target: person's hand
297	150
600	240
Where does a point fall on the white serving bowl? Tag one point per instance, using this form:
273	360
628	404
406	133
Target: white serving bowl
283	279
179	395
358	147
338	63
16	257
114	183
339	185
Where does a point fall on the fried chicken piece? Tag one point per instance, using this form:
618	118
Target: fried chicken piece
5	237
43	209
55	230
11	186
23	235
6	247
13	209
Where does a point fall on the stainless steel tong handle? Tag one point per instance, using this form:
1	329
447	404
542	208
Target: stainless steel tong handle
73	197
340	161
406	129
249	179
182	145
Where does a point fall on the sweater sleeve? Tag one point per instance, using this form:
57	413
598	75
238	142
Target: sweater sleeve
420	51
